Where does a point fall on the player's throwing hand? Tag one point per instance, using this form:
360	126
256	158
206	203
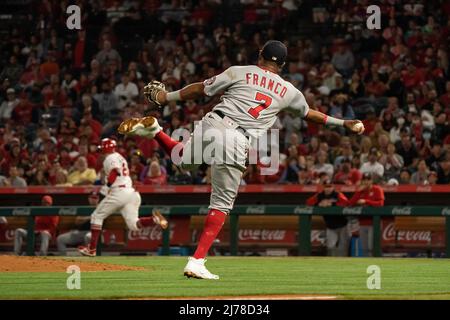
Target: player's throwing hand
355	126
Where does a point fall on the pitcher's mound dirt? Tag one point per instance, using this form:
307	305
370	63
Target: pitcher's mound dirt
45	264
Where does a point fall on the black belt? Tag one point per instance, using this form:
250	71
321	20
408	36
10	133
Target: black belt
220	114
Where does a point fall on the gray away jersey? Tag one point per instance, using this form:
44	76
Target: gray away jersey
254	96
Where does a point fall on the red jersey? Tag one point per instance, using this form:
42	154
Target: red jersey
373	196
46	223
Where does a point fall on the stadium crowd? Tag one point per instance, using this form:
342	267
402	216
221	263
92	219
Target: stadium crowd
63	90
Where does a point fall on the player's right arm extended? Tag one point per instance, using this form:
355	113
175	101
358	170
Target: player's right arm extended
190	92
321	118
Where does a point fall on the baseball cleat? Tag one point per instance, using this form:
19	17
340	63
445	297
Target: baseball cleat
195	268
159	219
146	127
87	251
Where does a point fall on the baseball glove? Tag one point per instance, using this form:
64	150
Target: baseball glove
152	89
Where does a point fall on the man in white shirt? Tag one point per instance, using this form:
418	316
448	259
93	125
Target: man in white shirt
126	91
7	107
372	166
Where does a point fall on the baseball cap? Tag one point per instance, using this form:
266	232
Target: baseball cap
275	51
48	199
10	90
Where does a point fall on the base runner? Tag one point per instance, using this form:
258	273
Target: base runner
121	197
252	97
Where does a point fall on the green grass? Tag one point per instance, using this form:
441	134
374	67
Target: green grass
343	277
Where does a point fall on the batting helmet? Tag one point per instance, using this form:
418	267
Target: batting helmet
108	145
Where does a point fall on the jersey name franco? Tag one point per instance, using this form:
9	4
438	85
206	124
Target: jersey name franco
116	161
254	96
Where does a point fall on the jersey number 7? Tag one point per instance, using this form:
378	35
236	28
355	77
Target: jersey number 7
266	102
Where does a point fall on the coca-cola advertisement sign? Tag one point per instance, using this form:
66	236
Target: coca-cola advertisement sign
150	238
390	234
153	233
263	235
392	237
398	211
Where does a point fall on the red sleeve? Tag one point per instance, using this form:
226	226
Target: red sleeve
356	176
342	200
112	176
377	200
355	198
54	221
312	201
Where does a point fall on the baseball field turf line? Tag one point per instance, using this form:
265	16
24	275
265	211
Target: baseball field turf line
162	277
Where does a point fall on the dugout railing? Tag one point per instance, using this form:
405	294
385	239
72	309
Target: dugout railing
304	214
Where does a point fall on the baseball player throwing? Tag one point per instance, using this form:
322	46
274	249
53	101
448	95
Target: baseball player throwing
252	97
121	197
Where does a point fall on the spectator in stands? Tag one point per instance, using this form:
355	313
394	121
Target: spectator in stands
330	77
346	174
432	178
421	175
15	180
155	175
61	178
8	106
82	234
12	71
443	172
337	234
343	60
253	175
3	181
107	100
406	149
437	155
82	175
341	108
372	166
126	91
392	162
108	54
45	229
50	66
323	165
405	176
368	194
305	176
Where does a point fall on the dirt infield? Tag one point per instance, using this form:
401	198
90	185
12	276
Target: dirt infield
45	264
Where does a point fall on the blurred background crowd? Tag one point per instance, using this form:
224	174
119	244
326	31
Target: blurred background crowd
63	90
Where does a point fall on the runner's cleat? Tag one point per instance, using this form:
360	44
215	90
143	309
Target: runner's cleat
87	251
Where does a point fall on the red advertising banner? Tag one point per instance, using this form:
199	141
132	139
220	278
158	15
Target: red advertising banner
151	238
